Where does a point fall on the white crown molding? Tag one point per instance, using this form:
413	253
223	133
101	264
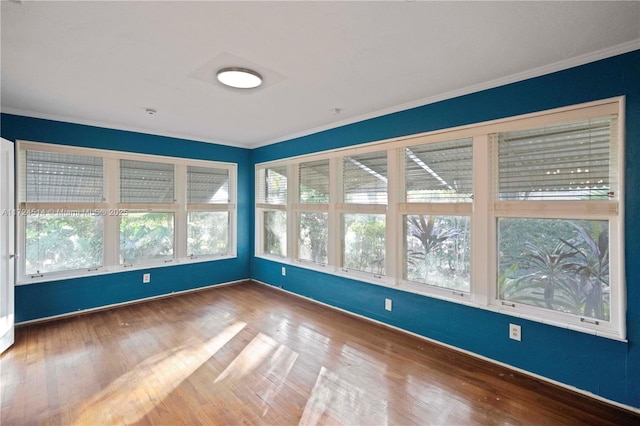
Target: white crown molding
536	72
514	78
112	126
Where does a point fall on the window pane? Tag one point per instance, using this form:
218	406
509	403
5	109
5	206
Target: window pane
275	233
364	242
439	172
557	264
437	251
63	242
208	233
313	237
145	237
53	177
206	185
146	182
365	178
314	182
272	185
573	161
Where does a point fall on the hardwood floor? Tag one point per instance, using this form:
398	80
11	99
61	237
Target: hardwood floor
248	354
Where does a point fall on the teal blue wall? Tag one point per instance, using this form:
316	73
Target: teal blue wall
51	298
604	367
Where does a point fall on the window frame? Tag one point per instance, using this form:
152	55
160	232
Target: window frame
301	207
112	209
437	208
483	212
611	210
212	207
263	205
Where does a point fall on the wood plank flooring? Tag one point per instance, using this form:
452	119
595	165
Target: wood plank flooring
248	354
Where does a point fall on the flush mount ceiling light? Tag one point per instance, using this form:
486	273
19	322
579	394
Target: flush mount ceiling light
239	78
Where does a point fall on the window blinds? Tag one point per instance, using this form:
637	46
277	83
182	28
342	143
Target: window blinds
314	182
146	182
62	178
272	185
573	161
365	178
439	172
206	185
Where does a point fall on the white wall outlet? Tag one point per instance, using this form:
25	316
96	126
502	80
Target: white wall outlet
515	332
146	278
284	271
387	304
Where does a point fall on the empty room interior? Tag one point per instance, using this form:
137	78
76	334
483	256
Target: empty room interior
376	213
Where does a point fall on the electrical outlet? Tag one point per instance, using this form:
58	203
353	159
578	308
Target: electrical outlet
284	271
146	278
515	332
387	304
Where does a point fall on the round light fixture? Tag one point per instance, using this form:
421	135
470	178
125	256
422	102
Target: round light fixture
239	78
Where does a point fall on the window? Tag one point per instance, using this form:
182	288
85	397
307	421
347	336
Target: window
437	251
63	241
558	259
271	208
145	237
364	192
312	211
313	237
365	178
438	190
146	182
275	230
147	192
522	216
364	242
84	211
55	188
556	264
209	211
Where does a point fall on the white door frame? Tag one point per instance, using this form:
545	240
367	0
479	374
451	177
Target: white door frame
7	244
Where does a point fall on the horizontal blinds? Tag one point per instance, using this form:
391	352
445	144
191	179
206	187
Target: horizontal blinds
365	178
272	185
573	161
314	182
146	182
439	172
62	178
207	185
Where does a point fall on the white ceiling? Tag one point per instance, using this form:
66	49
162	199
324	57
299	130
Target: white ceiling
104	63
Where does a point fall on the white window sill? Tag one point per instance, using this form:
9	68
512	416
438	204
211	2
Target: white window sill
83	273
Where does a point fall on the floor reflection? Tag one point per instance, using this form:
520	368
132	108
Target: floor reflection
334	400
134	394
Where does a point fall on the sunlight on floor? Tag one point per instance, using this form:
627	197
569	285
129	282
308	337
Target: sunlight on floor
279	366
335	401
441	401
251	357
134	394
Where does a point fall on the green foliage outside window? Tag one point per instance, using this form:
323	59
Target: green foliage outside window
438	251
56	242
208	233
313	237
364	242
561	265
146	236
